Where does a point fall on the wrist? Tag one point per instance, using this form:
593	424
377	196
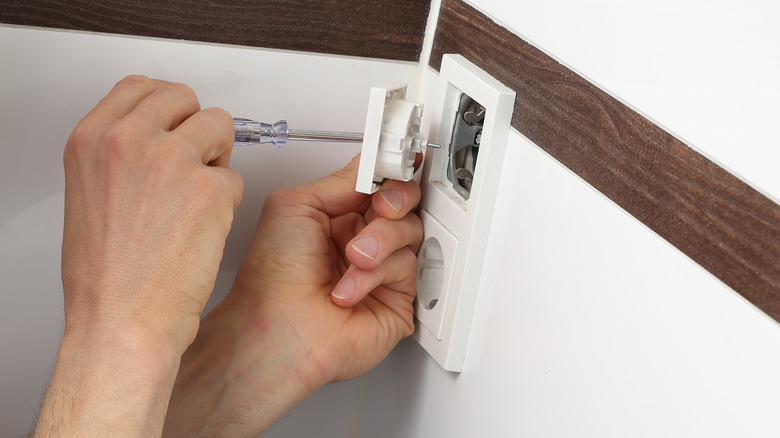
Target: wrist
156	323
140	350
243	372
273	335
108	380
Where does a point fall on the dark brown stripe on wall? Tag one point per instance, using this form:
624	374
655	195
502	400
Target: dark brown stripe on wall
391	29
716	219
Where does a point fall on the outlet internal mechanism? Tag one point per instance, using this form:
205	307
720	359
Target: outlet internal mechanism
392	138
464	146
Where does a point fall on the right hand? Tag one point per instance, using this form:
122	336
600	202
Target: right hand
149	200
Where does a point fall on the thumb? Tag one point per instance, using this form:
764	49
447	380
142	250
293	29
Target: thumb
336	193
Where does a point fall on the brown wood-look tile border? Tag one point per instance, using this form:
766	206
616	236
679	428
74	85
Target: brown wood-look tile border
390	29
720	222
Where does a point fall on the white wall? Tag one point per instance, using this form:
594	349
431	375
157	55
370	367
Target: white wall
596	326
48	80
705	70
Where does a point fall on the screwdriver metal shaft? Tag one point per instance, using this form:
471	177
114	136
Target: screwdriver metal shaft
335	136
250	132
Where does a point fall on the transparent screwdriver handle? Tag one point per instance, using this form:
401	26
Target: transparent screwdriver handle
249	132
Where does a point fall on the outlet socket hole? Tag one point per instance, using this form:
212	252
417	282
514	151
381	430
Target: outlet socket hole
430	273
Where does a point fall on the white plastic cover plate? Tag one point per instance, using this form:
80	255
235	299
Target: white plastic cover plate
461	226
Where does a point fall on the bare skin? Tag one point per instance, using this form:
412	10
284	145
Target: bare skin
324	292
286	327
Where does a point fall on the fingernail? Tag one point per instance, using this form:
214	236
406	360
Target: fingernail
367	246
345	289
394	199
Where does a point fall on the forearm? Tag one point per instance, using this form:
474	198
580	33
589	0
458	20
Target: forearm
108	383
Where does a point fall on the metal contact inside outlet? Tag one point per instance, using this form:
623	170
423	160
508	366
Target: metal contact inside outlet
464	145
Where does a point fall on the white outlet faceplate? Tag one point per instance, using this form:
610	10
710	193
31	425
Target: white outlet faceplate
391	138
457	227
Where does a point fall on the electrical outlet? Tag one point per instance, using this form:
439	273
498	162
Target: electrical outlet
391	138
459	185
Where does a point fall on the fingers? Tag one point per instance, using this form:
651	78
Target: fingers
125	96
390	224
165	104
395	199
381	238
233	184
397	272
335	194
150	106
382	252
345	228
153	105
212	131
166	107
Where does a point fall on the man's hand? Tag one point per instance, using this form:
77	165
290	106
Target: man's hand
324	293
149	200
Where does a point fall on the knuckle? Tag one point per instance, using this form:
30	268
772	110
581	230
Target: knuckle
408	260
417	227
288	196
184	91
80	140
415	220
293	201
280	201
276	198
220	118
236	183
220	114
346	173
116	139
408	329
138	82
236	178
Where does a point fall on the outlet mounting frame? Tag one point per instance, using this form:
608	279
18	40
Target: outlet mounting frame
444	330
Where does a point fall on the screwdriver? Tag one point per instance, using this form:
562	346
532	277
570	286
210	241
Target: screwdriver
249	132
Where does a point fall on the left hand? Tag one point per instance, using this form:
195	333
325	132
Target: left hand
324	293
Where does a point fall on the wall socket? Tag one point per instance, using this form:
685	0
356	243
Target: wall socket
459	185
